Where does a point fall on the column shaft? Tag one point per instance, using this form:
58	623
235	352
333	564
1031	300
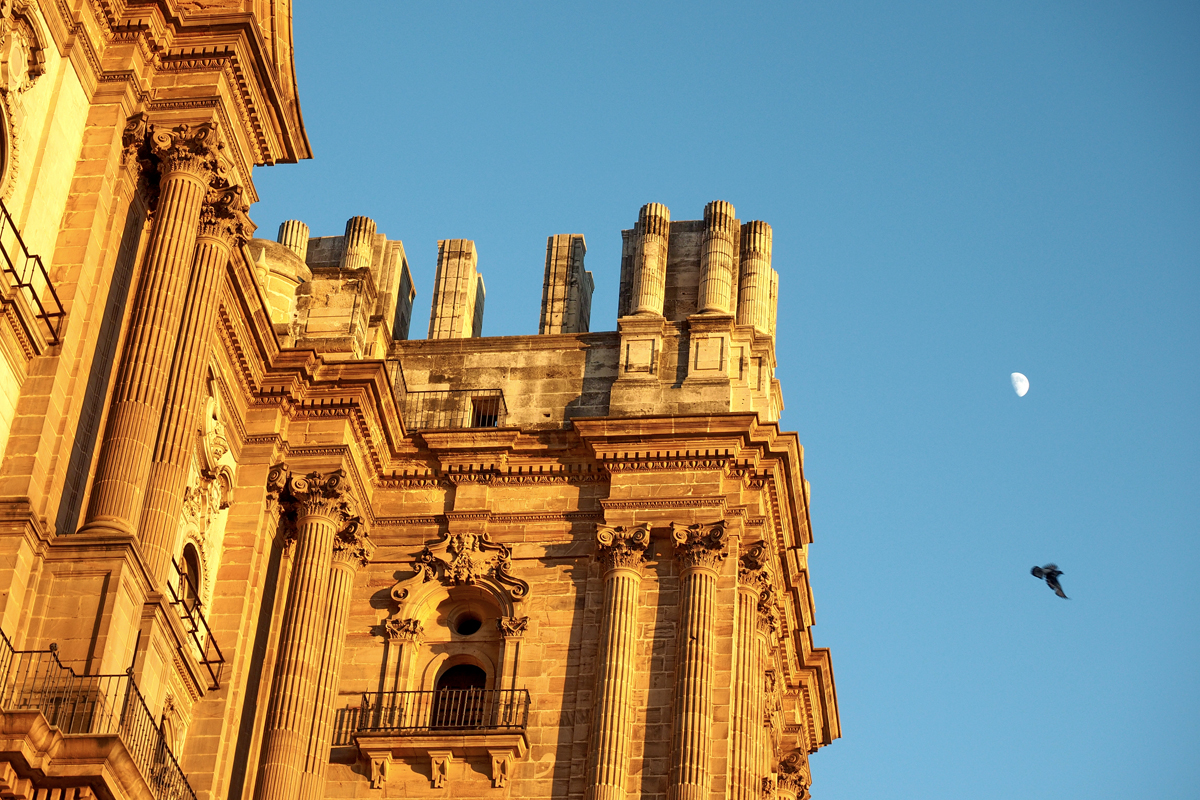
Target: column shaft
650	259
297	671
159	526
747	712
716	259
612	722
141	384
341	586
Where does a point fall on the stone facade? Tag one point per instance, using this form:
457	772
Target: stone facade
256	542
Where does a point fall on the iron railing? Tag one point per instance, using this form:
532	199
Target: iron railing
445	709
92	704
454	408
27	272
185	596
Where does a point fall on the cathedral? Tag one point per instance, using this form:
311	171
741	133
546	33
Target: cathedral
260	541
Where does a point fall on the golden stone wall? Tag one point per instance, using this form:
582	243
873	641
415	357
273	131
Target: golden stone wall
256	543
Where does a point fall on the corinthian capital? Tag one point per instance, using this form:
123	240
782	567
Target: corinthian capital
191	149
351	544
700	546
318	494
622	547
752	569
223	215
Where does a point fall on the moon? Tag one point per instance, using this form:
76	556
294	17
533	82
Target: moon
1020	384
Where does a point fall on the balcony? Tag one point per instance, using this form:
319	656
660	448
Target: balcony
443	725
185	598
27	274
454	408
91	705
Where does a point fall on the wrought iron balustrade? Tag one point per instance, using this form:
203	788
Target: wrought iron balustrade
27	273
185	596
444	709
91	704
454	408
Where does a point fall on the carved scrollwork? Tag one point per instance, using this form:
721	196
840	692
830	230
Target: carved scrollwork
191	149
752	569
317	494
699	546
467	558
622	546
794	776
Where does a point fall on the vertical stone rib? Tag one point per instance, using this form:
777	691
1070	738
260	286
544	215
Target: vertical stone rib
140	388
716	258
700	550
755	277
621	551
745	768
321	506
650	259
351	551
223	225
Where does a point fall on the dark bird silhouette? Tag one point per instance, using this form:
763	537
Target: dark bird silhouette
1050	573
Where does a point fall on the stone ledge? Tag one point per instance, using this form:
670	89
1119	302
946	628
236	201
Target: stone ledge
380	749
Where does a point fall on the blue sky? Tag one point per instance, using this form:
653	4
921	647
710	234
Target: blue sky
957	191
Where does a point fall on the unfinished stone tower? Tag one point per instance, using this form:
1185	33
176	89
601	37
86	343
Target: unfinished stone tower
258	544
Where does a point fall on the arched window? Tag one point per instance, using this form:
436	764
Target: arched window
460	700
191	577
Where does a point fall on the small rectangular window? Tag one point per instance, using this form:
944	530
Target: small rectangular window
485	412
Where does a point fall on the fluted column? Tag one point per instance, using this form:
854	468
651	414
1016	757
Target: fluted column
360	243
755	277
223	226
650	259
746	768
186	161
293	234
621	552
321	506
699	550
716	258
351	551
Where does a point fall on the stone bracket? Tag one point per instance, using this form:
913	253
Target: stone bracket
503	750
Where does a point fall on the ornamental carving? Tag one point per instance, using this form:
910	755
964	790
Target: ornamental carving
622	547
752	569
210	476
185	148
351	545
317	494
793	775
404	630
512	627
223	215
700	546
467	558
768	788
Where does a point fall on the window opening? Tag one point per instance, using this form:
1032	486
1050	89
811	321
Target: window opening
485	412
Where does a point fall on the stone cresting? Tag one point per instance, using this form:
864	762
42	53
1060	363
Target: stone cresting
699	550
320	509
621	552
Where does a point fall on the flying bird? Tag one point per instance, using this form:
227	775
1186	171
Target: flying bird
1050	573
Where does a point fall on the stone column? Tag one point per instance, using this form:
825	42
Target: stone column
621	552
351	550
321	506
359	243
754	277
293	234
716	258
404	637
699	550
650	259
187	156
223	227
745	767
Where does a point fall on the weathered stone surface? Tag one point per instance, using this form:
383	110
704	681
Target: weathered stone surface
586	571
